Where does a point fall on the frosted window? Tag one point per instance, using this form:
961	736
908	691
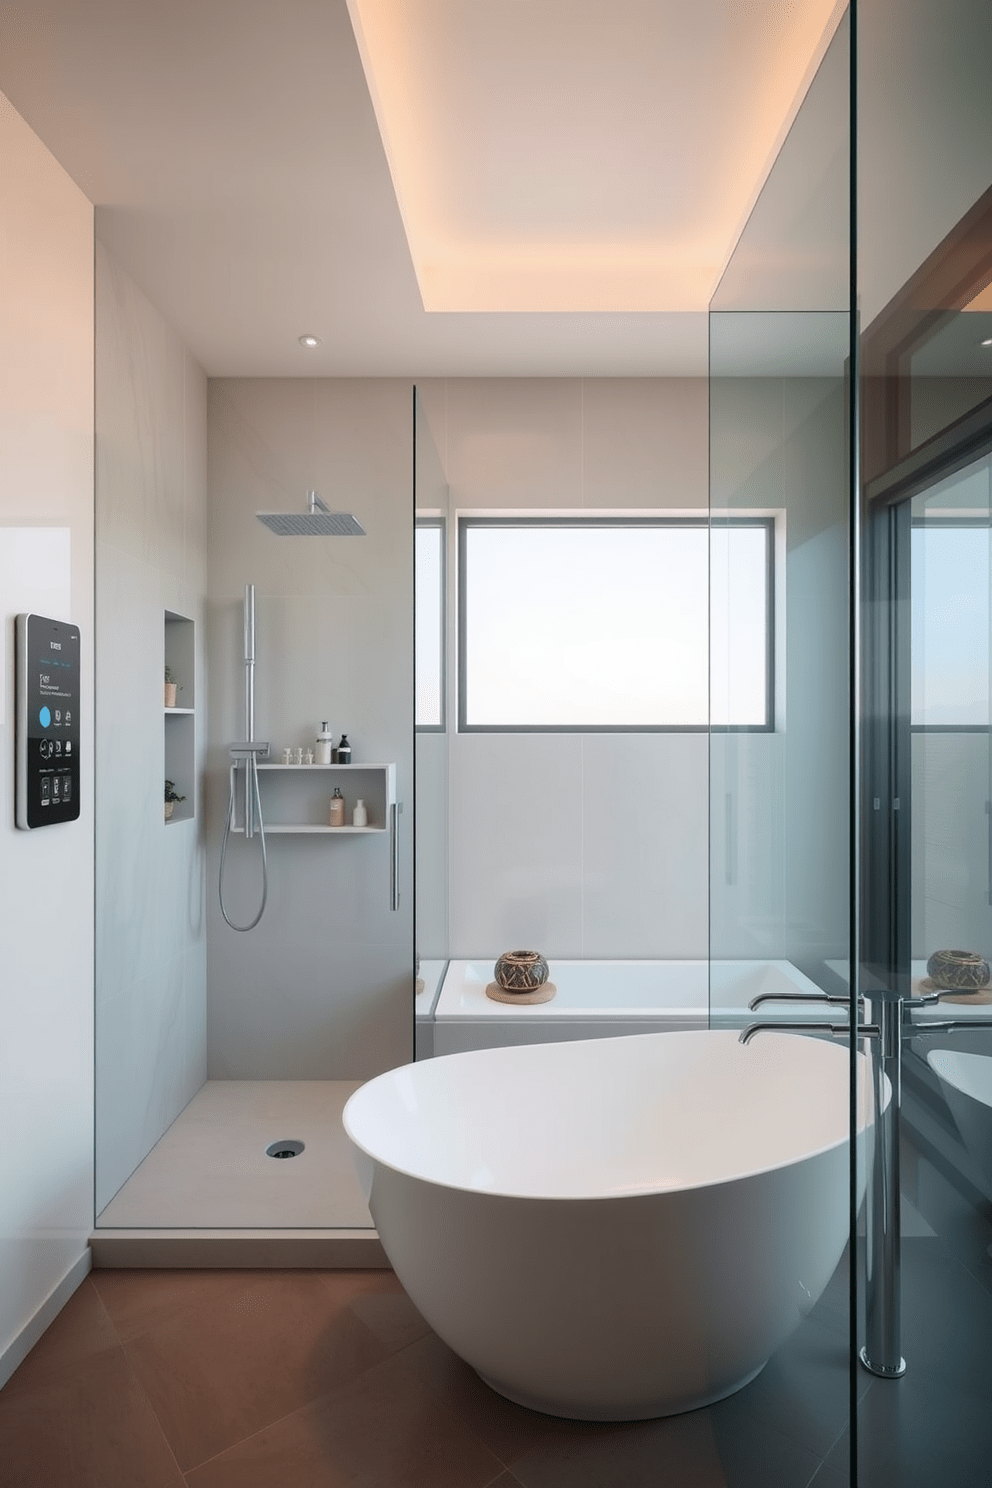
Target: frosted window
429	625
950	626
605	626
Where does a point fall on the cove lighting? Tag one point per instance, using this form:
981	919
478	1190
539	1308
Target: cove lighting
596	156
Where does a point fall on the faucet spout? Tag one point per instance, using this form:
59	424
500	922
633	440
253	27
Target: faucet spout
838	999
836	1029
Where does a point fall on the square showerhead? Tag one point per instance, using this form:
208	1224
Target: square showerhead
312	524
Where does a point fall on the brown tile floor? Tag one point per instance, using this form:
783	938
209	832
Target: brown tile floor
308	1379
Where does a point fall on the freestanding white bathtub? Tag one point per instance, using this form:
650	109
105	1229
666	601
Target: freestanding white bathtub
612	1229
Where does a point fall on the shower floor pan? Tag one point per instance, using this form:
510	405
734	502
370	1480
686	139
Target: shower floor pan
207	1194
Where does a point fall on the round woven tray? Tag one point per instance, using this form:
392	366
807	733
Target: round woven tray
543	993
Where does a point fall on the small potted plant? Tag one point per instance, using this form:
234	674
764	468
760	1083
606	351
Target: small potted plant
171	797
171	686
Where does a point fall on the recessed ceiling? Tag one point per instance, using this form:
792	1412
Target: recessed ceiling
581	155
556	187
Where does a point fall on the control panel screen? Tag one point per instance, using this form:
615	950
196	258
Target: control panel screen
47	721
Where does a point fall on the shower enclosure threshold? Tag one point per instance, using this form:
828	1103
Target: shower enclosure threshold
324	1250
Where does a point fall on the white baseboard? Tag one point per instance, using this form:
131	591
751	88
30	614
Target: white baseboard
24	1341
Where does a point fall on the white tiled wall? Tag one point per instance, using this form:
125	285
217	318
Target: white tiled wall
322	988
151	882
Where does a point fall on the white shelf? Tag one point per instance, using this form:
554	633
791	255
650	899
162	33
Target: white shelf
182	711
304	769
332	831
295	798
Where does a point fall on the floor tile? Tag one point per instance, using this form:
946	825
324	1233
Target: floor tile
833	1474
386	1429
508	1430
241	1359
685	1451
947	1316
81	1331
918	1432
803	1392
89	1427
390	1317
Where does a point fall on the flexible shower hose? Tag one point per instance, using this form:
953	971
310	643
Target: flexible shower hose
252	767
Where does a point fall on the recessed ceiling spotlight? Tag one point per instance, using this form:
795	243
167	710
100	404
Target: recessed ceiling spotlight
988	341
309	340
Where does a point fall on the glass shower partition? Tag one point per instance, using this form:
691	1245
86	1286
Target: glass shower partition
433	537
925	224
780	659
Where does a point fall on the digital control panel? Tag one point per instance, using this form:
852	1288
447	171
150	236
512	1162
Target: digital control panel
47	721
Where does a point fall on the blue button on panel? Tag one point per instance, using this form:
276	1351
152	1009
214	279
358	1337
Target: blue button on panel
44	717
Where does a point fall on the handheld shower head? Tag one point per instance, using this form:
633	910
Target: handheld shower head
316	521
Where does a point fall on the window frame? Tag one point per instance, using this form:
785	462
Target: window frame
580	520
439	521
936	523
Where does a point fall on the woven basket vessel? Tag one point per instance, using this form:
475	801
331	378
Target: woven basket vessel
958	971
521	971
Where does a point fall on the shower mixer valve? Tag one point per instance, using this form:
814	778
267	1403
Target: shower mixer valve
245	748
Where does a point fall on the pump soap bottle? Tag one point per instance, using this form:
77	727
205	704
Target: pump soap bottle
336	817
324	752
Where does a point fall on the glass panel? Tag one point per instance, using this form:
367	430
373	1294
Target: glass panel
433	535
429	623
926	380
779	865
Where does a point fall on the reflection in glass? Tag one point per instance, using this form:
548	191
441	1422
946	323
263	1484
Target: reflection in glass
429	623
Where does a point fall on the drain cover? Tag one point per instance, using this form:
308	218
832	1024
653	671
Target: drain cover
287	1148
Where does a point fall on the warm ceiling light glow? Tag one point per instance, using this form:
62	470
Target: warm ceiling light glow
585	157
309	340
982	301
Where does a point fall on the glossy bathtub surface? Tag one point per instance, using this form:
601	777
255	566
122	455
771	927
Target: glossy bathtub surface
644	1114
612	1229
966	1080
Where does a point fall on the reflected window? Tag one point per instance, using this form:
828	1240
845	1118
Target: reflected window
600	624
429	622
950	623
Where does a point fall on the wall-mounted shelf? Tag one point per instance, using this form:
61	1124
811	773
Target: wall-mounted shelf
296	798
178	723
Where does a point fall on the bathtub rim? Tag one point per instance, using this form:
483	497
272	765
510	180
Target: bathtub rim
866	1120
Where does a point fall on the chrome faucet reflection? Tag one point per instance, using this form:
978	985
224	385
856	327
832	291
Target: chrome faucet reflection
892	1020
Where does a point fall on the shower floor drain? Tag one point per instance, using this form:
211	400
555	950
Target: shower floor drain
291	1148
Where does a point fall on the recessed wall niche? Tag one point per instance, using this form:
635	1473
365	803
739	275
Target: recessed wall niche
180	718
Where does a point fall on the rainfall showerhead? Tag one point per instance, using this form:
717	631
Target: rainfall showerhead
316	521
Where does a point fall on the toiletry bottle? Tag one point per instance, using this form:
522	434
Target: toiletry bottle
359	817
336	817
344	751
324	753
